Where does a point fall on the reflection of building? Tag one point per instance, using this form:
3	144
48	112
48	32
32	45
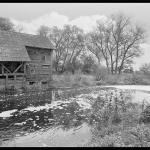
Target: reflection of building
24	55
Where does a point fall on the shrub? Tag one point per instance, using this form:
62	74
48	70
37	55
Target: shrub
112	79
73	80
133	79
145	115
138	136
100	73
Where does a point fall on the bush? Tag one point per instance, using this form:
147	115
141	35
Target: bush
127	79
138	136
145	115
112	79
100	73
73	80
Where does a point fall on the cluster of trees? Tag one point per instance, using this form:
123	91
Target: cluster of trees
6	24
114	43
69	44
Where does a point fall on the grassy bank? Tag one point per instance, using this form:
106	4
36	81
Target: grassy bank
73	80
68	80
81	80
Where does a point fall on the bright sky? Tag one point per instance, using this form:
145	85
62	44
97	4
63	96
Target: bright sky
32	15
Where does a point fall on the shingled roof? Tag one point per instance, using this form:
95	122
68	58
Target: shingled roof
12	45
36	41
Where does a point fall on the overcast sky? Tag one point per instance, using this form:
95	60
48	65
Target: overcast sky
32	15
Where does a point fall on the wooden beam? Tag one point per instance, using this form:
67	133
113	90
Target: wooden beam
2	69
6	68
6	82
12	74
24	67
24	76
18	68
15	79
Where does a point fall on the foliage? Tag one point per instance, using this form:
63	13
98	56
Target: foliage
128	131
89	65
100	73
115	120
99	77
77	79
69	45
116	41
43	31
145	116
6	24
126	79
145	68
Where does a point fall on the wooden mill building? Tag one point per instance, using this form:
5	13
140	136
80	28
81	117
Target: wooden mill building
25	55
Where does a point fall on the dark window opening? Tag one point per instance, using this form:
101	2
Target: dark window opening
43	59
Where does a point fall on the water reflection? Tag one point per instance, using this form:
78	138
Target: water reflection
54	117
22	100
42	116
55	137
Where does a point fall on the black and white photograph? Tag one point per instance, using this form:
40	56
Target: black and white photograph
74	74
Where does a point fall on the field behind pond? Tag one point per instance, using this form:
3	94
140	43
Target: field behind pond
80	80
94	116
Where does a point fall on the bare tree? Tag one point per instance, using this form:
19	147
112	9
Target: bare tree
118	41
92	46
75	45
127	37
69	43
100	44
56	37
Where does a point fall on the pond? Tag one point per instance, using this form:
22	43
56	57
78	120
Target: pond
56	118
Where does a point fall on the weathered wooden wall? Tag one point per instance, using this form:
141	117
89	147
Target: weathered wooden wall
40	67
36	55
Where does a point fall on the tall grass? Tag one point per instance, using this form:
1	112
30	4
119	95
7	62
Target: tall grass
73	80
124	79
118	121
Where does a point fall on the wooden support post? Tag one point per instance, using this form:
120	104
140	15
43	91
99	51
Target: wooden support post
24	68
6	82
50	69
24	76
15	79
2	69
6	68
